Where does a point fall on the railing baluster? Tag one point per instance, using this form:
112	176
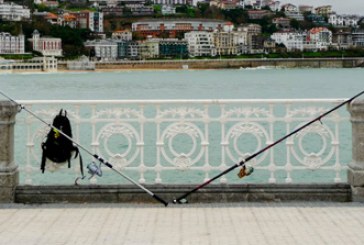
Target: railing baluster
242	125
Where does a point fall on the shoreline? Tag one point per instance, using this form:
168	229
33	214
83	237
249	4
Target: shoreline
227	64
206	64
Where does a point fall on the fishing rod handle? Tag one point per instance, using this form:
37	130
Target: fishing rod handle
160	200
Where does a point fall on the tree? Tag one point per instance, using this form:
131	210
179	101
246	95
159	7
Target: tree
294	24
237	16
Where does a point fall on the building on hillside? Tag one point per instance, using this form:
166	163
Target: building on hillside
168	10
225	4
317	19
258	14
128	49
115	3
291	11
282	23
51	18
67	19
11	44
343	21
358	38
320	38
116	11
149	49
269	46
324	10
47	46
342	40
273	5
170	2
289	8
104	49
305	9
200	43
224	43
124	35
295	15
13	12
293	41
259	4
174	27
90	20
81	20
253	42
173	48
48	4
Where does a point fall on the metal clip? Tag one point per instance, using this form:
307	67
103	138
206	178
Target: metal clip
245	171
93	169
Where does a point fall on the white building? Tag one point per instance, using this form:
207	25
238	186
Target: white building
168	9
170	2
200	43
96	21
341	20
48	46
291	11
274	5
13	12
104	49
11	44
320	38
293	41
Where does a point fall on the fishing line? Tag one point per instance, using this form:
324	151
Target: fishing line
93	168
182	199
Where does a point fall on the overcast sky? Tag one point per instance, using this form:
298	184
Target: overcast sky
339	6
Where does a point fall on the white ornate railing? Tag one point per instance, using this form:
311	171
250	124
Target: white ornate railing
179	141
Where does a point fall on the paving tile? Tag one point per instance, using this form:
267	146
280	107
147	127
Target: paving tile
225	223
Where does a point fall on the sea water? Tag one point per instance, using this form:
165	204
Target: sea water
257	83
260	83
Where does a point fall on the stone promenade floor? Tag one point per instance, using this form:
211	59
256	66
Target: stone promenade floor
303	223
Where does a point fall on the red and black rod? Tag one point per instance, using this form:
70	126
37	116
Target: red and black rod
182	199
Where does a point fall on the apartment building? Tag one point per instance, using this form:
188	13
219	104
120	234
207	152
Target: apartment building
324	10
320	38
104	49
343	21
200	43
10	11
173	27
11	44
224	43
293	41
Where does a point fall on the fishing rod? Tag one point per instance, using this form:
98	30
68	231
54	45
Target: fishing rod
92	169
182	199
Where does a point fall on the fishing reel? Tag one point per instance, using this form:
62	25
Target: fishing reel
94	169
245	171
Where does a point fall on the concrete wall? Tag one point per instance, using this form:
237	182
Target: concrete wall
9	176
233	63
356	167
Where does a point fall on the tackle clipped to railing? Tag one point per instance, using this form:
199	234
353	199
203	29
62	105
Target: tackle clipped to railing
245	170
93	168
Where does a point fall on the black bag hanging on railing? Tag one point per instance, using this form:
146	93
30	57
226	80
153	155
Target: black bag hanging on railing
56	146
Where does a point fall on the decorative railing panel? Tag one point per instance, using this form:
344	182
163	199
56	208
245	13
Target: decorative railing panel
182	142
